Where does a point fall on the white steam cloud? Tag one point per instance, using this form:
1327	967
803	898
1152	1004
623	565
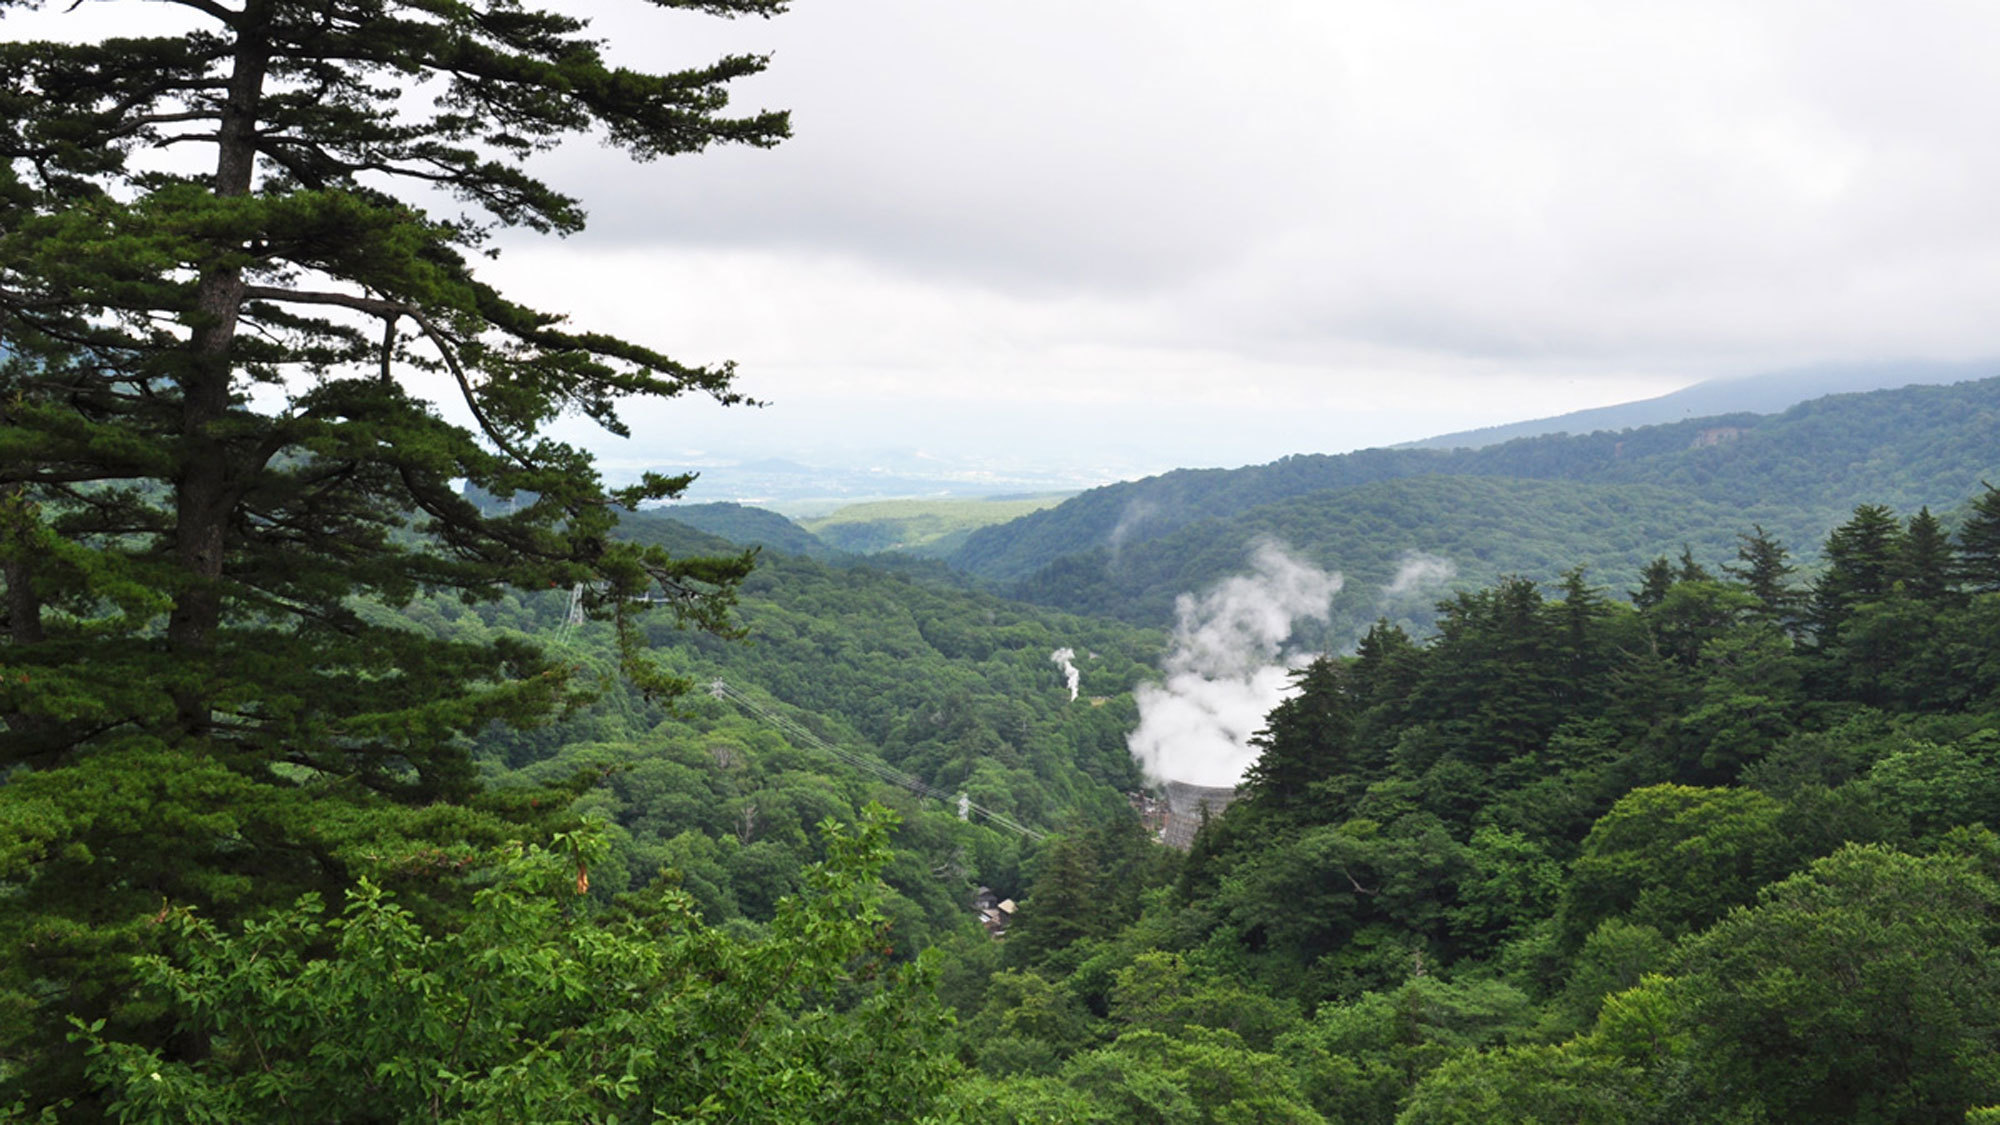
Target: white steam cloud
1419	571
1227	670
1066	659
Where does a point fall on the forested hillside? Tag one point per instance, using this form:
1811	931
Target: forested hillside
1699	481
362	765
1472	530
749	526
1721	852
954	688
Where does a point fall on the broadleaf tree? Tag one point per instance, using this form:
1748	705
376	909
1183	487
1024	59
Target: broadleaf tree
235	258
528	1010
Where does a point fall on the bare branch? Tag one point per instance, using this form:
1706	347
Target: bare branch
373	306
209	8
486	425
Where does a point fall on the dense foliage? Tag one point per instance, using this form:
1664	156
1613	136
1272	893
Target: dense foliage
1717	843
234	256
953	688
527	1010
1718	847
1719	850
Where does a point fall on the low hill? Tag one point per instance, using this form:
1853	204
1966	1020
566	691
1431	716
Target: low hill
933	527
747	526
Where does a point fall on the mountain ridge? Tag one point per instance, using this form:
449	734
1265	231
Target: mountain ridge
1799	472
1765	393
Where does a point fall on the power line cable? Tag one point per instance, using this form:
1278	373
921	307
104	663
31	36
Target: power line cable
723	690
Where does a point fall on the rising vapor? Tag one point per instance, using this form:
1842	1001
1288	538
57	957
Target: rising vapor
1227	669
1065	658
1136	513
1419	571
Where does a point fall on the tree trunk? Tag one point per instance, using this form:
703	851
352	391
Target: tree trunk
29	733
207	489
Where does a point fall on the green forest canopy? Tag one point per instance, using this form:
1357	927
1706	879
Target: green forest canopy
315	803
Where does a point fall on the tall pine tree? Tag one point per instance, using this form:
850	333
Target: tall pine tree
1978	559
1763	569
182	562
221	278
1863	562
1928	569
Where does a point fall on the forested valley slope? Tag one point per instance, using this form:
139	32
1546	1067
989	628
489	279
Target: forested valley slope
1709	847
1610	500
363	765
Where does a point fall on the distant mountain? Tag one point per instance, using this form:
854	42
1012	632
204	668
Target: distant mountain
839	479
746	526
1755	394
1609	499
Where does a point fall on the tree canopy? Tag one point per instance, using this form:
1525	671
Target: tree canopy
234	260
211	439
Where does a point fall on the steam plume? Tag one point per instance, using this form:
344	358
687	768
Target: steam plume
1066	657
1227	670
1136	512
1418	571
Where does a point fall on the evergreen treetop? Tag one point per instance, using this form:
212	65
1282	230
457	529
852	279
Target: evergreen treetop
1978	557
209	445
228	260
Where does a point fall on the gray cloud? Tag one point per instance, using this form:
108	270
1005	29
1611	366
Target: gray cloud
1558	188
1350	222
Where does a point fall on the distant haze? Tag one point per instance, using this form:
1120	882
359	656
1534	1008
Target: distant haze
1108	240
826	466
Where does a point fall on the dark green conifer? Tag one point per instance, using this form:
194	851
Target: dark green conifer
1978	562
1582	609
210	448
1654	581
1863	562
215	467
1927	565
1765	571
1305	741
1384	667
1690	570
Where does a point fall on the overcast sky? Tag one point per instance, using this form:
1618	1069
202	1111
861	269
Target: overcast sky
1195	232
1296	225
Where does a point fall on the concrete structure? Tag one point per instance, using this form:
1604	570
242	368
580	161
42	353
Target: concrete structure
1185	805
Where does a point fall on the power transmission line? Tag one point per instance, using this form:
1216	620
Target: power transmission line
723	690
